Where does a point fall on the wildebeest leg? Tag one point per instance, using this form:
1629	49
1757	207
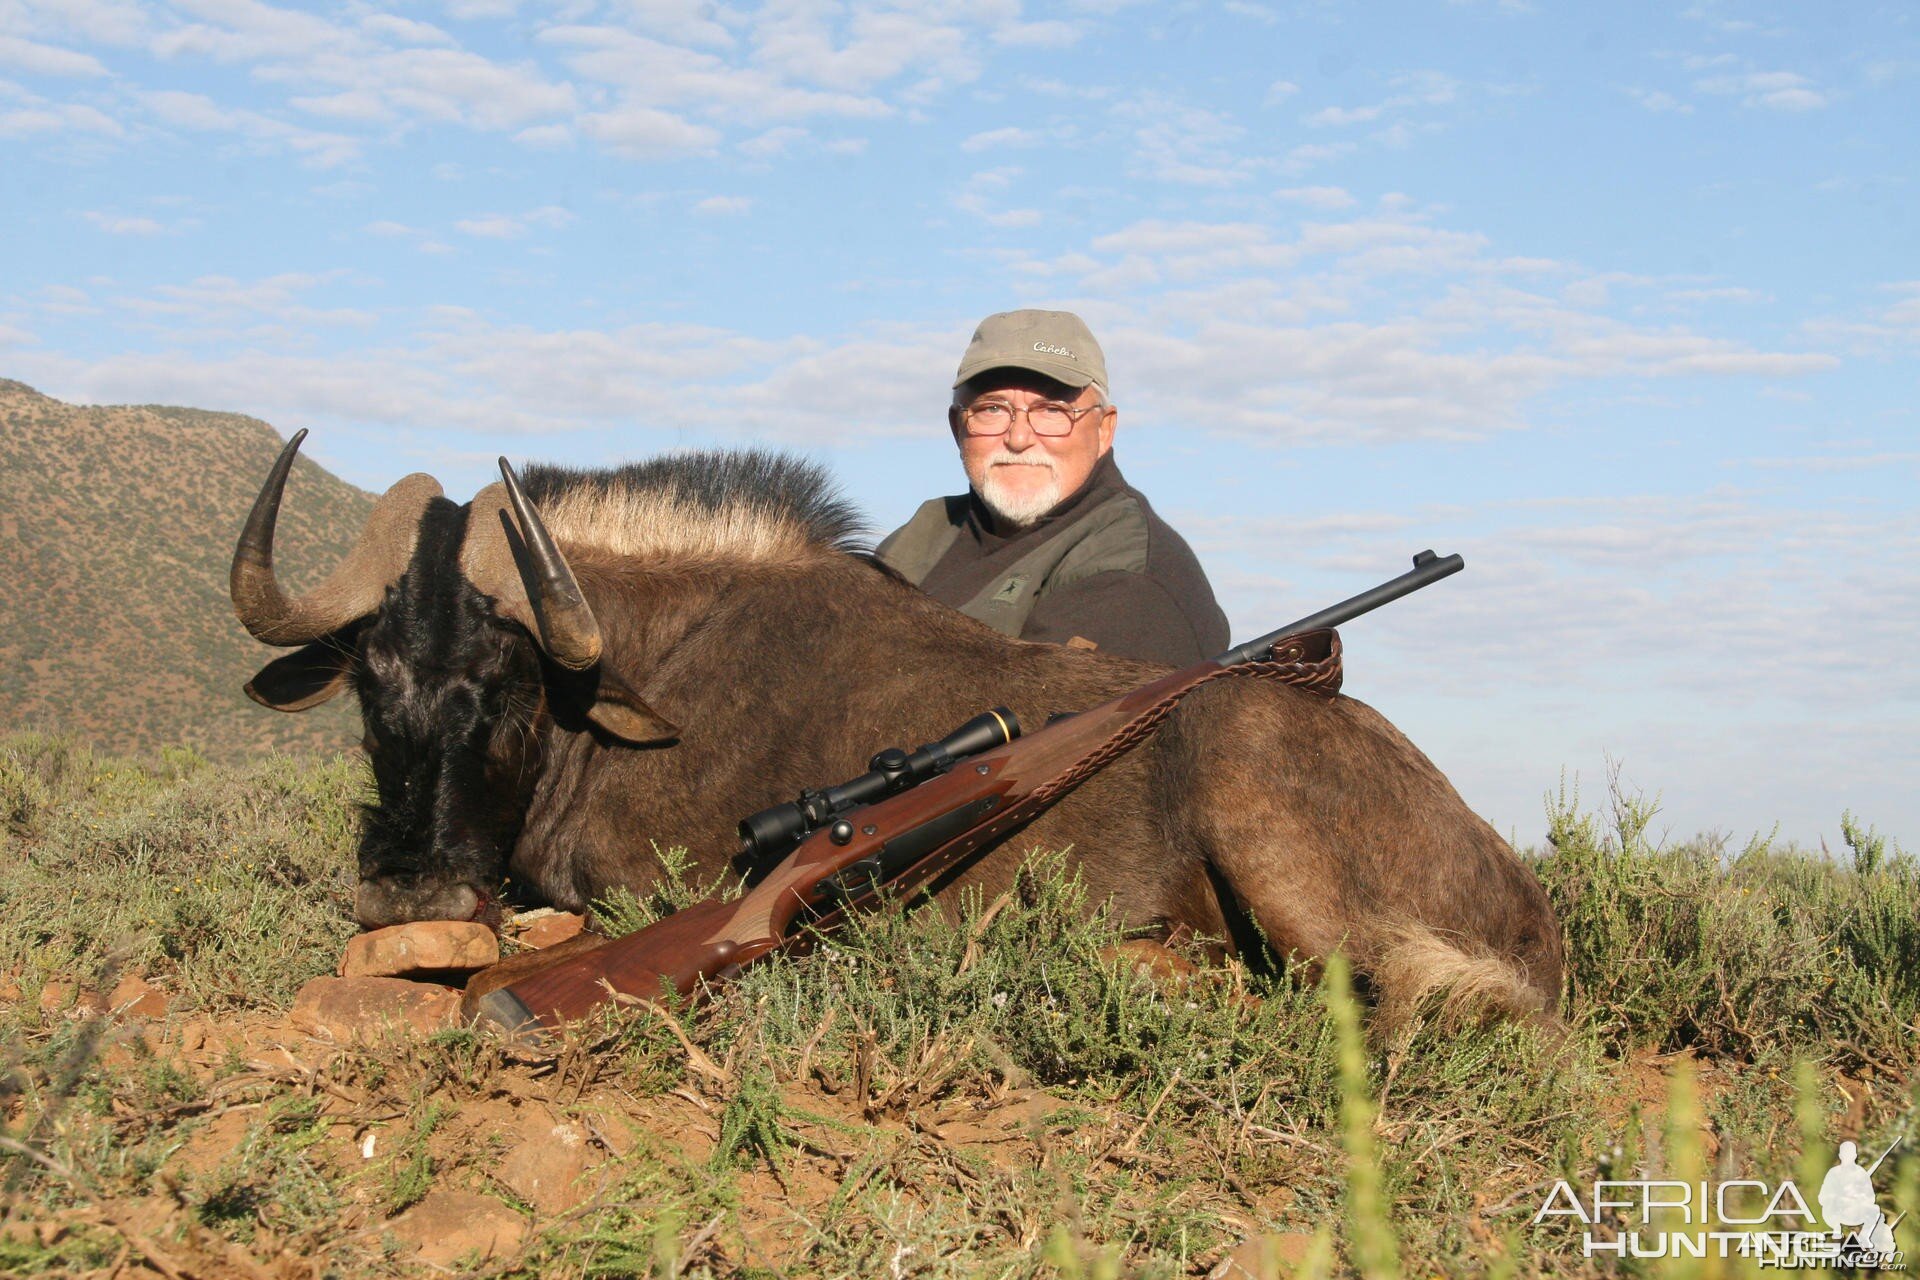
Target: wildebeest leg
1334	832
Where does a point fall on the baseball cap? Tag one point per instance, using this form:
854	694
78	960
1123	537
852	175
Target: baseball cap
1055	343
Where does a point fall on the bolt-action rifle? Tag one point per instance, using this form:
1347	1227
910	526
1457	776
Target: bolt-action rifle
912	817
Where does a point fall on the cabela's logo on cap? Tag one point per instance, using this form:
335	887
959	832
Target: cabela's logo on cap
1052	350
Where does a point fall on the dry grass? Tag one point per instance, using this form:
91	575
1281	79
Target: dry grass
996	1095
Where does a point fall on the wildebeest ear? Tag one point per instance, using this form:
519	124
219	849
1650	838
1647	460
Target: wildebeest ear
304	678
626	715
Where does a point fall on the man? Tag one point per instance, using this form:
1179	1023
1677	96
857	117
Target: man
1051	543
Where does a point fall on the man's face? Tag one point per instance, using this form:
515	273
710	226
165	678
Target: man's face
1022	475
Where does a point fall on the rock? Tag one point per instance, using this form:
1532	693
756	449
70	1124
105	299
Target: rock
1154	959
545	1166
1264	1257
450	1225
551	929
360	1008
134	997
64	997
427	946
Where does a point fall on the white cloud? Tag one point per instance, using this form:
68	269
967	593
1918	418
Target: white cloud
504	226
1012	136
1680	618
684	21
49	118
1895	325
1347	115
119	225
1657	100
1307	155
202	114
774	142
1037	35
65	300
46	60
1317	197
1837	462
355	105
387	26
479	10
1774	90
1280	91
117	24
643	133
723	206
1724	294
216	296
1180	143
810	43
448	85
545	137
1416	89
246	30
651	75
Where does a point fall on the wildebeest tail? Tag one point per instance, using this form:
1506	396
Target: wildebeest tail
1420	972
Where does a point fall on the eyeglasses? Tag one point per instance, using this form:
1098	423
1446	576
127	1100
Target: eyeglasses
1048	418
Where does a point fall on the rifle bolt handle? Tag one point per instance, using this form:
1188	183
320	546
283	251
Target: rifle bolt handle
840	832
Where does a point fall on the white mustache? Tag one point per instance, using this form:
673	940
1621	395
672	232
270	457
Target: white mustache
1007	458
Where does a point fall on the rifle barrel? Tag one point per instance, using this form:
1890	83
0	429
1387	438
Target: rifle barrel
1428	569
1883	1156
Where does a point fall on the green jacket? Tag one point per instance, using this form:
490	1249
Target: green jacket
1103	567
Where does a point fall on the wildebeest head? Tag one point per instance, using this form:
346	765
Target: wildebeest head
466	635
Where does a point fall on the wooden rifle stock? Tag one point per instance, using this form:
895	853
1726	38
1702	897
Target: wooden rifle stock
903	841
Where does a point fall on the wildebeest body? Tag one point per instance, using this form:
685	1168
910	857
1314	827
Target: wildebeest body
726	601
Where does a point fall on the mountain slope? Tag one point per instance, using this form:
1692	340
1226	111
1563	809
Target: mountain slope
119	523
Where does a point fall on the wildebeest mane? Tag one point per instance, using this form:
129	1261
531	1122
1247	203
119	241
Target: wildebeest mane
748	504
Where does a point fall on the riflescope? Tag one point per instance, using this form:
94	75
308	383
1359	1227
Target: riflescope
772	833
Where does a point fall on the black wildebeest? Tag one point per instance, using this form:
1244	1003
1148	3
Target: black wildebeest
551	679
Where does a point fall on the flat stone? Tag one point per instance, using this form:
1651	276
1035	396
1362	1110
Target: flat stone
425	946
1264	1257
134	997
1157	961
547	1162
552	929
361	1008
450	1225
64	997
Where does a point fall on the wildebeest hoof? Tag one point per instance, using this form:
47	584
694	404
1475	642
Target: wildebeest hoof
383	902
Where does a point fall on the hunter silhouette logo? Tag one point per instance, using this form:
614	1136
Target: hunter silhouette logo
1010	590
1743	1217
1846	1200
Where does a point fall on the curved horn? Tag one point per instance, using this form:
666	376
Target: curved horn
568	630
352	591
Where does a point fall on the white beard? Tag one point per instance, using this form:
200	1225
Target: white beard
1017	509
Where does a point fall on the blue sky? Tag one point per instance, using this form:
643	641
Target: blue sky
1620	303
